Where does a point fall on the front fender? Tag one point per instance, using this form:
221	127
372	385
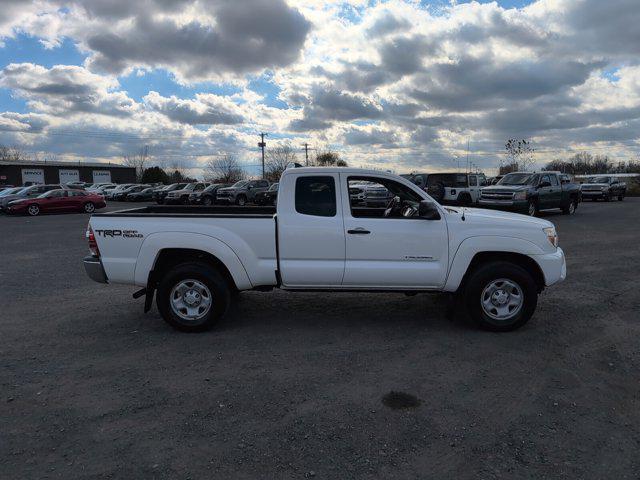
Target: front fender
471	246
156	242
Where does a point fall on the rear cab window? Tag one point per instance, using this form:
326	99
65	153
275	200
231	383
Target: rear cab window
316	195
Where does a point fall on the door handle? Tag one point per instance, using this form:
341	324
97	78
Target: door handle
359	231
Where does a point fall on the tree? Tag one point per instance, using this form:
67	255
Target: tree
138	161
519	154
329	158
154	175
278	159
12	154
224	169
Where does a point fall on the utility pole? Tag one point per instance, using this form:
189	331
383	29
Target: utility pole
262	144
306	154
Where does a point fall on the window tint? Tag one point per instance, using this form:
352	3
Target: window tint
554	179
473	181
77	194
545	178
316	196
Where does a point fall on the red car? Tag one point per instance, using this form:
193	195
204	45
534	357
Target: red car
58	201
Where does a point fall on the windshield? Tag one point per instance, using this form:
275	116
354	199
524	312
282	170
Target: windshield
10	191
448	179
598	180
240	184
518	179
273	188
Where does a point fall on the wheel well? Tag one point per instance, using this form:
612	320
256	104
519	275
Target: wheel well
170	257
524	261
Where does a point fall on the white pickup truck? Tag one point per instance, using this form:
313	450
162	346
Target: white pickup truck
195	259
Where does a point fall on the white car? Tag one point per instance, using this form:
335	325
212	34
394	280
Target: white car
320	239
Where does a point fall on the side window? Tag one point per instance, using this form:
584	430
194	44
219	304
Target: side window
473	181
316	196
369	197
545	178
554	180
199	187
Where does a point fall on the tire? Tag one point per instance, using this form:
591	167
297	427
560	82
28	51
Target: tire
570	208
620	198
184	200
464	199
607	198
33	210
207	201
532	209
503	278
89	207
190	277
241	200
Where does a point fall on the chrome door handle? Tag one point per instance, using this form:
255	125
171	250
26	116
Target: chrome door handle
359	231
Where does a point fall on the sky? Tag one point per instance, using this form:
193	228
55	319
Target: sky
404	85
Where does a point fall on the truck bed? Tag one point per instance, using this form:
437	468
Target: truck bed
193	210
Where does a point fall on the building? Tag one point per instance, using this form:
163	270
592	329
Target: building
29	173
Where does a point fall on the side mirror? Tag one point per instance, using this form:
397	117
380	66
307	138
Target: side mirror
544	184
428	210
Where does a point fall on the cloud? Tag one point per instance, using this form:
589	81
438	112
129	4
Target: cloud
206	109
66	90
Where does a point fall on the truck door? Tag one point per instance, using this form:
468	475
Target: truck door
474	188
311	245
392	251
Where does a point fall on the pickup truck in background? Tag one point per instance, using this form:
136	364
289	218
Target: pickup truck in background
194	259
603	187
241	192
528	193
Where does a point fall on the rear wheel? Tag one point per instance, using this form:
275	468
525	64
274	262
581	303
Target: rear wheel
33	210
184	200
89	207
570	208
501	296
464	199
192	297
207	201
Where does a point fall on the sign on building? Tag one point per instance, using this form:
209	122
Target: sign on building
101	176
69	176
32	176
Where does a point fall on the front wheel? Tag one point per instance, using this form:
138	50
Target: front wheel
33	210
89	207
192	297
501	296
620	198
207	202
241	200
532	208
570	208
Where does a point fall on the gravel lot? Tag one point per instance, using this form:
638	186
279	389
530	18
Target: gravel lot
291	385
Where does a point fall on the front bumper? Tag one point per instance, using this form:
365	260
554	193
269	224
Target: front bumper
594	194
511	205
95	270
553	266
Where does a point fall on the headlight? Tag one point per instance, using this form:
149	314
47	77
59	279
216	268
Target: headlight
520	196
552	236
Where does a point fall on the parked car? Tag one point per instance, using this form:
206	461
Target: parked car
376	196
160	194
451	188
242	192
182	196
5	187
603	187
123	195
528	193
98	187
207	196
10	191
144	195
268	197
194	261
110	194
356	193
62	200
77	185
27	192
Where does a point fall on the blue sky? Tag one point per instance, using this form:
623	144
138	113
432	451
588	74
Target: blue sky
384	83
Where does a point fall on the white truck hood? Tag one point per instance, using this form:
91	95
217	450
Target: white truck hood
498	216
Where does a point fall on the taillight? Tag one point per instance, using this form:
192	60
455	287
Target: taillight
93	245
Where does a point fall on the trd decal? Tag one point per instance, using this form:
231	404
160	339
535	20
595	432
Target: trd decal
119	233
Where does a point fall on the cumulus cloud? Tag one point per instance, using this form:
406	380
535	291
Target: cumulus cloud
206	108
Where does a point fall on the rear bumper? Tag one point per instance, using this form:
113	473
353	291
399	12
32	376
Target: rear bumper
95	270
553	266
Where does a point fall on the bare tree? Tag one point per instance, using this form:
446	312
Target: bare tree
224	169
520	154
328	158
278	159
12	154
138	161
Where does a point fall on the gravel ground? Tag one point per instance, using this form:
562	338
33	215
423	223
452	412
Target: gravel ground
297	385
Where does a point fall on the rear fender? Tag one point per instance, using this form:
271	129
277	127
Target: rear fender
156	242
474	245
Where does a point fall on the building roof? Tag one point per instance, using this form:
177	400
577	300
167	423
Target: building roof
33	164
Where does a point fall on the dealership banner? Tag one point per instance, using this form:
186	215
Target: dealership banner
101	176
32	176
69	176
